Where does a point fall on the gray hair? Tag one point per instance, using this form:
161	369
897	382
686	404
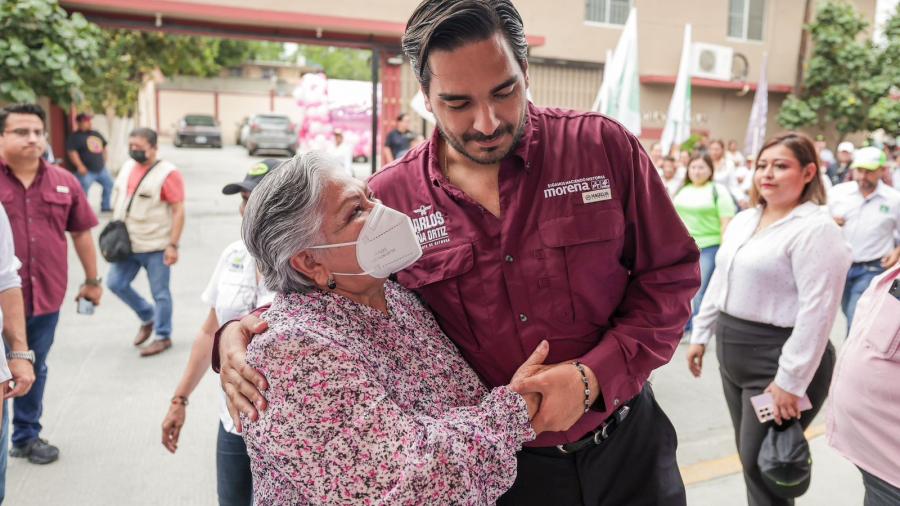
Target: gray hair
284	216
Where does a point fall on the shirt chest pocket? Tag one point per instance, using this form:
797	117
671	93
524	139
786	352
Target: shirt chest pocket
142	204
583	276
446	280
56	208
881	324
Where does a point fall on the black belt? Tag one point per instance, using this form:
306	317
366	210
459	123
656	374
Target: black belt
873	263
595	437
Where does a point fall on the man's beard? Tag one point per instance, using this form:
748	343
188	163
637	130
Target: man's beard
866	185
492	157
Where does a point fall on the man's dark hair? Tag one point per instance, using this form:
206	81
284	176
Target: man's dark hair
449	24
22	109
148	134
401	116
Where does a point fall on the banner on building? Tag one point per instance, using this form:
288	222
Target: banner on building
620	96
756	126
678	119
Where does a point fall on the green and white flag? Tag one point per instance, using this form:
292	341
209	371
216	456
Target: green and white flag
620	94
678	119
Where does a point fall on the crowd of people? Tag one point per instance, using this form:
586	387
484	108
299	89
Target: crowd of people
435	334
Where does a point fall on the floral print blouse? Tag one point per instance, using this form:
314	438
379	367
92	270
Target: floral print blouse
368	408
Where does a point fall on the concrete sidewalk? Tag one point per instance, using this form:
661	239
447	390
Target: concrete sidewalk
104	405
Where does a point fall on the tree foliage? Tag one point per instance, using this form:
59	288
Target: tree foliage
848	81
339	63
42	50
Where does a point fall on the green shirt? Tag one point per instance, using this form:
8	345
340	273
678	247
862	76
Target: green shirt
702	213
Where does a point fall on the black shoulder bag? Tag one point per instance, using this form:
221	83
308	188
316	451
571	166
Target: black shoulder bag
115	243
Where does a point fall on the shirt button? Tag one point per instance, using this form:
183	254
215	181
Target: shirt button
522	317
509	259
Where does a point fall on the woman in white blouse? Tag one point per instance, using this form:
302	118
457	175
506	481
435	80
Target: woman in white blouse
773	299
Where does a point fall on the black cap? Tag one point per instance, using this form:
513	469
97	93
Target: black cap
82	116
256	173
785	462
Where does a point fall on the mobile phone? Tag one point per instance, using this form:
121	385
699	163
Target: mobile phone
85	306
895	289
763	406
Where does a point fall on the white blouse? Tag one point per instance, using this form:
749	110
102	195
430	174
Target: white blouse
790	274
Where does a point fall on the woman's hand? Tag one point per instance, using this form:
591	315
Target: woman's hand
171	426
533	365
695	358
785	404
242	384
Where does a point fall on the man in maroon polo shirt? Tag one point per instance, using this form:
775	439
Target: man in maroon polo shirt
43	203
537	224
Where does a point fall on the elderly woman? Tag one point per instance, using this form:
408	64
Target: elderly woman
369	402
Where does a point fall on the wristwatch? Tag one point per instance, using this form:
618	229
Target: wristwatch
93	281
23	355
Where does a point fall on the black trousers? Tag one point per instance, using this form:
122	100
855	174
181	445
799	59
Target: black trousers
748	355
635	466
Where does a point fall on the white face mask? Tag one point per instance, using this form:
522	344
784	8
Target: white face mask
387	244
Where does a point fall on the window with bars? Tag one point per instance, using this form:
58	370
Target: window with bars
746	19
612	12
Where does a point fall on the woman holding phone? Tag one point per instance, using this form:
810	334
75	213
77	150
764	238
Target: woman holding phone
773	298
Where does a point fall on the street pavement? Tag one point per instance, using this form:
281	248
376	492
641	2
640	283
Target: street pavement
104	404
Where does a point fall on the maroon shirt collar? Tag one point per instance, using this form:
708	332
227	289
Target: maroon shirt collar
42	169
523	150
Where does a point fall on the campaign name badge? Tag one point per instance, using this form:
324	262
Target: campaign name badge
596	196
62	189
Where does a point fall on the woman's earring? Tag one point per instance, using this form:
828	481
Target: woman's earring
331	284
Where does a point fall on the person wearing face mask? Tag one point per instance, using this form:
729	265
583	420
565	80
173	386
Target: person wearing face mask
772	301
868	212
149	197
235	289
368	400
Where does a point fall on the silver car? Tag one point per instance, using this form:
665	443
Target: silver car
271	132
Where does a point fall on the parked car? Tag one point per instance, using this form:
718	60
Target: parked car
198	130
271	132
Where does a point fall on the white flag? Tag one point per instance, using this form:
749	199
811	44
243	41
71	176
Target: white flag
678	119
756	126
619	95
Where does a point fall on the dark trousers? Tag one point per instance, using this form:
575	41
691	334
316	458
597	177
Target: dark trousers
879	492
28	408
635	466
234	482
748	355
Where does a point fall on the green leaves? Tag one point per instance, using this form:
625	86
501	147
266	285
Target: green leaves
848	81
42	50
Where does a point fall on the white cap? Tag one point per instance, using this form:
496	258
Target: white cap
847	147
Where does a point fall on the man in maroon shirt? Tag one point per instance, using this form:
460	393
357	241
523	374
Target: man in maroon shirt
538	224
43	203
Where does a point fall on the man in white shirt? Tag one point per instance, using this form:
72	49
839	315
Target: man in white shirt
19	369
342	151
868	212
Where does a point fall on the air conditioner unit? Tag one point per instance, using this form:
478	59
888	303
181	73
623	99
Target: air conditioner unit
709	61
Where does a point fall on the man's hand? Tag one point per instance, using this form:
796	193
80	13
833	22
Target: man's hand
82	171
785	404
695	358
171	426
562	396
891	259
23	377
170	255
242	384
92	293
840	220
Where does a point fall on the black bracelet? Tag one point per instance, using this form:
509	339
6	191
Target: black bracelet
587	386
